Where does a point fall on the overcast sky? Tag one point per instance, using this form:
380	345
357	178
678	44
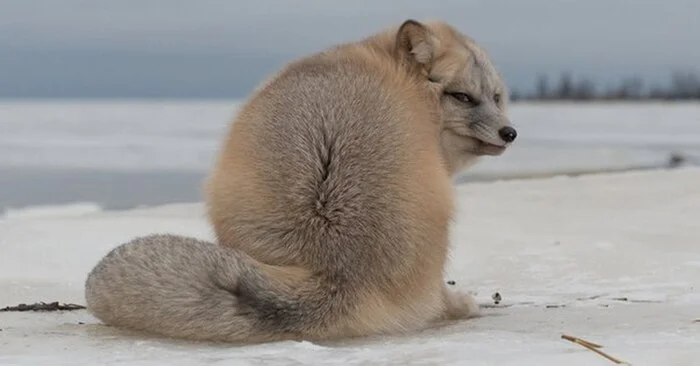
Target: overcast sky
208	48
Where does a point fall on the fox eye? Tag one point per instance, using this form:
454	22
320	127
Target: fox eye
462	97
497	98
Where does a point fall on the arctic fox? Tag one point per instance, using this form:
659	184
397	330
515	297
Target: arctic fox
331	200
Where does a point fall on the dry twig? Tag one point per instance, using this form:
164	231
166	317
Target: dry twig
593	347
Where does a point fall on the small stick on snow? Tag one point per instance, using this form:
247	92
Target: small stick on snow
593	347
581	341
696	320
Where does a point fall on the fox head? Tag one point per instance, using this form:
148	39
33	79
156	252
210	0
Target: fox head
472	96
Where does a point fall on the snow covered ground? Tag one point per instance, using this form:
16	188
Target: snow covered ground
613	259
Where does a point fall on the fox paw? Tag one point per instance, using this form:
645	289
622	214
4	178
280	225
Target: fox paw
460	305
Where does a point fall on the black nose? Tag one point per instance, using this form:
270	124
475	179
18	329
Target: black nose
508	134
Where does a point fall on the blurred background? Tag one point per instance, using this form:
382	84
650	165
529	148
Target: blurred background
124	103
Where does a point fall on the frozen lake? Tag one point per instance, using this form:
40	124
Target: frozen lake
122	154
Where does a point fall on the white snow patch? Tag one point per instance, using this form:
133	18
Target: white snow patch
536	242
34	212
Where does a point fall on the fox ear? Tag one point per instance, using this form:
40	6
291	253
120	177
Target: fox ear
415	45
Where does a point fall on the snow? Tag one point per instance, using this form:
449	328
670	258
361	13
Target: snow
615	256
75	209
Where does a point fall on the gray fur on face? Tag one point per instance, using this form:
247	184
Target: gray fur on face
473	120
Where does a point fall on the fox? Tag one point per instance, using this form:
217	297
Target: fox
331	200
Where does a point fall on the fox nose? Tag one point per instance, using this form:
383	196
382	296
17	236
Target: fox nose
508	134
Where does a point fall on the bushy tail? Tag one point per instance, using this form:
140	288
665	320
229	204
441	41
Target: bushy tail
186	288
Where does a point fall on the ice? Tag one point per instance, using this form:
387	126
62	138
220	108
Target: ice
114	135
75	209
185	135
615	256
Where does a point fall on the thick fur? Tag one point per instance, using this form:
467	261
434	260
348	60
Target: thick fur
186	288
331	200
174	286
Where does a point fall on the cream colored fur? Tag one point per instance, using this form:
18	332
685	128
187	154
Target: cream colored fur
331	200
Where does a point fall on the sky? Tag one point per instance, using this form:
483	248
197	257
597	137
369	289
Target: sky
223	49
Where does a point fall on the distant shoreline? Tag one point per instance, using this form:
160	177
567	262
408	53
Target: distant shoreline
474	178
